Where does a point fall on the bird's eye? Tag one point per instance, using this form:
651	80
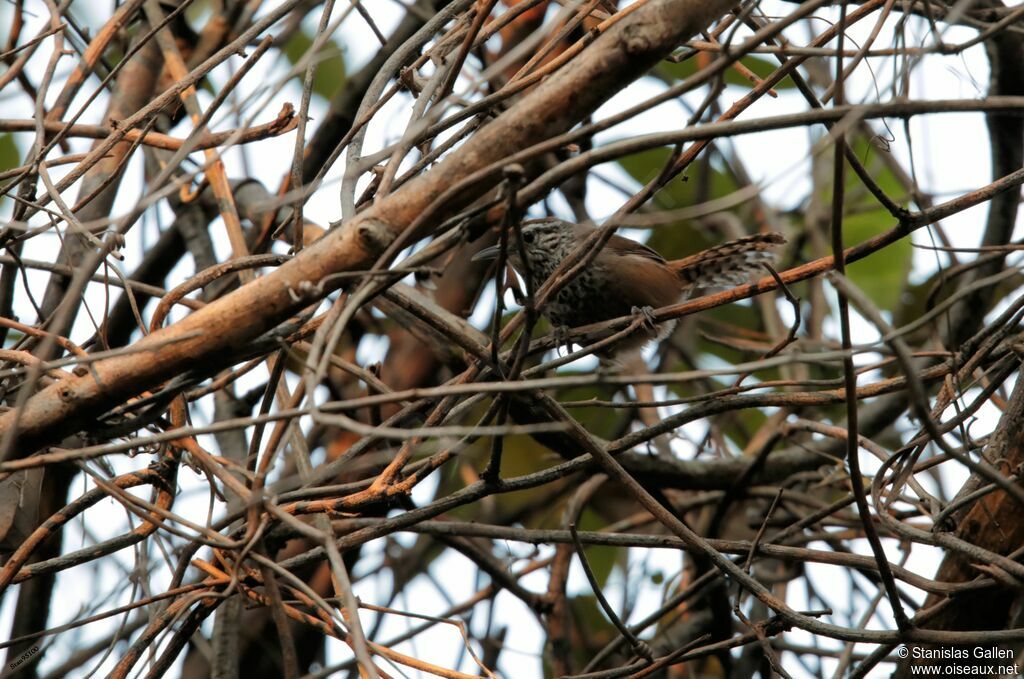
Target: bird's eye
528	237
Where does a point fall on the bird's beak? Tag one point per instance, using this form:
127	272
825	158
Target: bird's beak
487	253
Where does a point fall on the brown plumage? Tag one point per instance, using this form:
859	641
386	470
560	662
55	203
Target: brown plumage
627	275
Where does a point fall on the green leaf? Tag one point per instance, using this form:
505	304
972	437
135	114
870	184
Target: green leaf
869	152
602	422
679	239
882	274
602	560
760	67
197	12
10	157
918	299
591	617
914	303
330	69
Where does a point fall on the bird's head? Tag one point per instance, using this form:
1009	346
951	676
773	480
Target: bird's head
545	242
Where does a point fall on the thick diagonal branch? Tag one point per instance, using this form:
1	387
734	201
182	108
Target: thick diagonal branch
206	337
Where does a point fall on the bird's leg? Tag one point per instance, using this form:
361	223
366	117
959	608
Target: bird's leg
563	338
645	315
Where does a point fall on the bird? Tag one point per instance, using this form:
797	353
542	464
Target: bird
626	277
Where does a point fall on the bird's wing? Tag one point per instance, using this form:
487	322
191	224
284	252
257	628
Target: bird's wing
618	245
626	246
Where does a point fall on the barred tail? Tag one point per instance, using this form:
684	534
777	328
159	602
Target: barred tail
732	263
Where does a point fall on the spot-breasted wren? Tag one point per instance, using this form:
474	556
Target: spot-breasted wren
626	276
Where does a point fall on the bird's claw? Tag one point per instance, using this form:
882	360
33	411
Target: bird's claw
645	315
